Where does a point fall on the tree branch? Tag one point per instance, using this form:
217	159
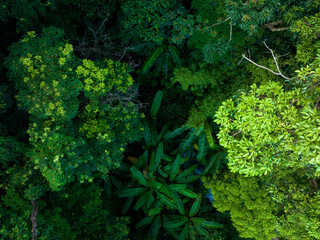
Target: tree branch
34	219
272	27
279	73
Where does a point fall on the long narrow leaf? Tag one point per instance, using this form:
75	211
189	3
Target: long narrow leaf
188	179
143	160
147	134
195	206
175	223
185	231
209	134
201	147
127	205
141	201
167	201
175	133
138	175
152	165
188	193
156	103
170	231
175	167
203	222
188	143
132	192
185	173
152	58
177	187
156	227
159	154
163	174
175	54
145	221
154	184
213	158
201	230
154	211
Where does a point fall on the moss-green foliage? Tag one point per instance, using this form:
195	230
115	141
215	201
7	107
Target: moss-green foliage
80	112
252	14
155	21
26	12
308	29
78	212
248	202
194	80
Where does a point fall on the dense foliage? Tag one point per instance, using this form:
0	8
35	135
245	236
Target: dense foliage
159	119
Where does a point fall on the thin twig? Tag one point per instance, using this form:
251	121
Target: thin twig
220	22
230	31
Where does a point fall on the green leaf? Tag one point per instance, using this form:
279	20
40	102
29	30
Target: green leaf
141	201
145	221
167	158
188	193
175	54
188	143
154	211
150	201
167	201
209	134
132	192
127	205
152	165
213	160
203	222
180	205
159	154
167	168
175	167
186	172
154	133
202	231
185	231
170	231
175	223
156	227
189	179
163	174
174	133
177	187
156	104
201	147
138	175
166	190
154	184
147	134
143	160
152	58
195	206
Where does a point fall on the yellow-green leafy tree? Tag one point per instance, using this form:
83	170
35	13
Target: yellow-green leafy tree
82	112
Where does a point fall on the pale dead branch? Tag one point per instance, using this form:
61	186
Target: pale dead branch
278	73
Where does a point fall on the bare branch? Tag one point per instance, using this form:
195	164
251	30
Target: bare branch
273	28
230	31
34	220
220	22
279	73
